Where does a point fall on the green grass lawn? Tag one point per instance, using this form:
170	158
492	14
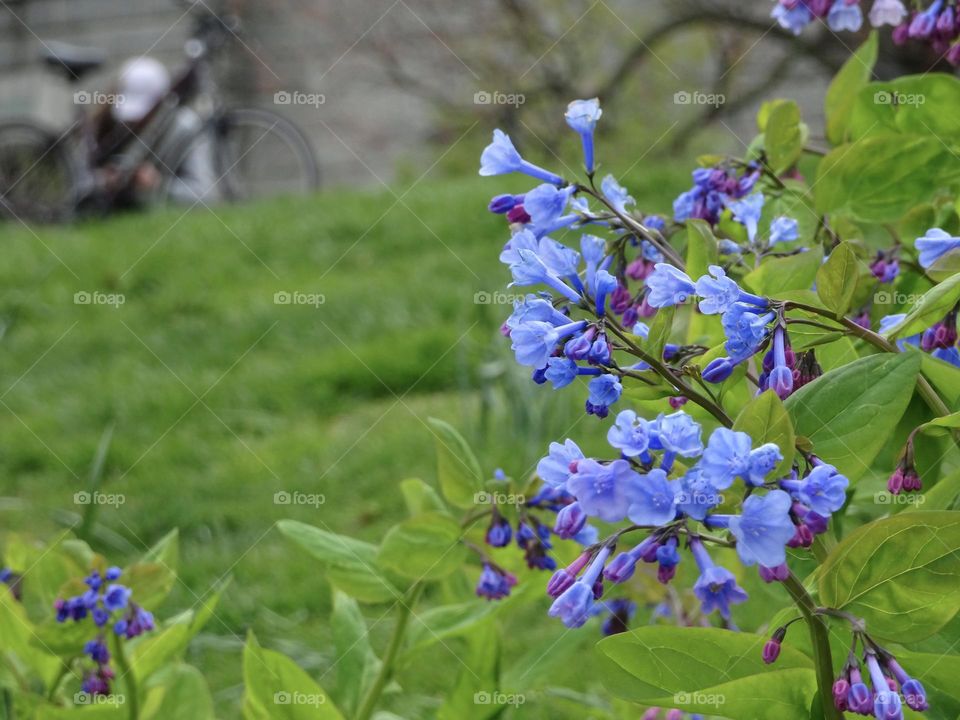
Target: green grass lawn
219	397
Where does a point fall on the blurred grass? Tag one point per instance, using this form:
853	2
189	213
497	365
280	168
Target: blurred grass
221	397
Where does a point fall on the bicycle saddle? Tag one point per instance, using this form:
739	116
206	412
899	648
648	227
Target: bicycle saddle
72	61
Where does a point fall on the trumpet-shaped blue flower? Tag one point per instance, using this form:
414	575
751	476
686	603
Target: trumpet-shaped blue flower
604	391
783	229
554	469
781	376
727	457
696	495
545	203
116	597
573	606
604	491
716	588
718	369
887	12
500	157
761	463
616	194
746	329
934	245
823	490
668	286
762	530
717	293
793	19
533	308
886	702
923	23
844	16
678	434
630	434
532	270
582	117
534	342
747	212
655	500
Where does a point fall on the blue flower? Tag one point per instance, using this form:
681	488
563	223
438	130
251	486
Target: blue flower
886	702
668	286
502	204
679	434
763	529
684	205
716	588
554	469
923	23
728	247
696	495
747	212
761	463
532	270
823	490
560	371
582	117
717	293
793	19
844	16
630	434
604	491
570	521
654	501
561	260
533	342
116	597
604	391
593	250
783	229
532	308
494	584
887	12
545	203
745	329
781	376
616	194
727	456
500	157
573	606
112	573
97	651
934	245
718	370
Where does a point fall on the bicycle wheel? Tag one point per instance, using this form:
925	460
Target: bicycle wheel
37	177
259	154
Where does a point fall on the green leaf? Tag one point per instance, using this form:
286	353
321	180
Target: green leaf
765	419
275	688
898	573
478	679
351	564
151	582
178	691
783	136
420	497
457	466
927	104
17	642
776	276
845	87
944	377
850	412
710	670
426	547
837	279
439	623
930	308
879	178
357	665
701	248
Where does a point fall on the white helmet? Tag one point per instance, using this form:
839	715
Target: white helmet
143	82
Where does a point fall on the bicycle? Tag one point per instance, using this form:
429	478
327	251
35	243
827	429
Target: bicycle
255	153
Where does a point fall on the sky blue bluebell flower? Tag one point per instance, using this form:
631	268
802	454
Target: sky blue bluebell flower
668	286
616	194
726	457
823	490
696	495
747	212
532	307
532	270
781	376
593	250
914	694
604	391
844	16
746	329
886	702
717	293
934	245
630	434
534	342
573	606
793	19
500	157
718	369
716	588
762	530
761	462
654	502
783	229
678	434
923	23
545	203
582	117
570	520
554	469
604	491
887	12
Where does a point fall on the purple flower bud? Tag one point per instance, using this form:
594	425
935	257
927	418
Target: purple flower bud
499	532
774	574
859	699
561	580
666	573
802	538
570	521
621	568
518	215
771	651
841	689
504	203
718	370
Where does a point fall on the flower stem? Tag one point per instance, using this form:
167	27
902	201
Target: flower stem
820	638
369	703
129	679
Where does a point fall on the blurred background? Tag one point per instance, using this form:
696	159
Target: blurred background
197	361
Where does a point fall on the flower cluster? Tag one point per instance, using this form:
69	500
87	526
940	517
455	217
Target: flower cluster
714	188
107	603
936	25
644	487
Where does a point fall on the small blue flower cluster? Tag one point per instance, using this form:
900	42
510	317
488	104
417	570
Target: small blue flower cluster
851	693
938	25
106	602
638	487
